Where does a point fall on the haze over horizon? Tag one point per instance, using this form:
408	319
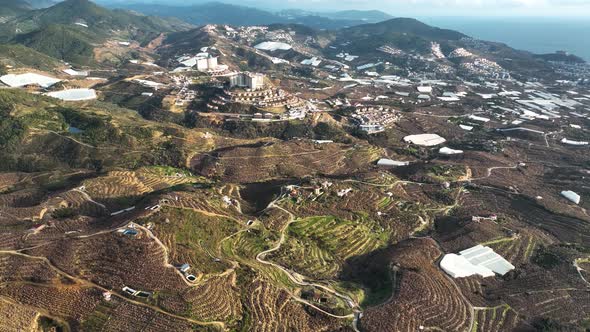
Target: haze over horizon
547	8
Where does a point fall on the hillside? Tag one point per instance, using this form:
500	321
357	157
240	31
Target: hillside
21	56
68	43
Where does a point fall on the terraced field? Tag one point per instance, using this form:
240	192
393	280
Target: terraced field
425	296
114	260
496	319
118	184
16	317
193	237
518	249
272	309
282	160
122	316
318	246
216	299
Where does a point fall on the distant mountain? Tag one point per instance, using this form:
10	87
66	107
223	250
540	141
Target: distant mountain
213	12
404	26
358	16
71	29
561	56
9	8
403	33
223	13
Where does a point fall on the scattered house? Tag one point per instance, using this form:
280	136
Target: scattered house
37	228
343	192
226	200
184	267
129	290
107	296
465	127
478	260
425	139
571	196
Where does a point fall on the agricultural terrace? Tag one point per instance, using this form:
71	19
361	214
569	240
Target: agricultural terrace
318	246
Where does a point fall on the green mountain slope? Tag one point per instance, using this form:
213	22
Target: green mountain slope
21	56
97	20
62	42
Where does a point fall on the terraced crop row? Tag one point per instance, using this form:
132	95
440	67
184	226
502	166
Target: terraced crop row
272	309
425	298
318	246
497	319
17	268
216	299
130	183
124	317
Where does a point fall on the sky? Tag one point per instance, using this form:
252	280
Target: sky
549	8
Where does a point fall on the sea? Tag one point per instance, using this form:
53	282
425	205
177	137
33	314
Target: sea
534	34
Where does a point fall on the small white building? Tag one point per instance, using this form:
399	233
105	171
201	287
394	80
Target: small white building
571	196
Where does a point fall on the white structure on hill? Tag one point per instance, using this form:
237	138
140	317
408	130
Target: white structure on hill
252	81
74	94
571	196
425	139
478	260
17	81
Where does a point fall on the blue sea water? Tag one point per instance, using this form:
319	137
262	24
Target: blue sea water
534	34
